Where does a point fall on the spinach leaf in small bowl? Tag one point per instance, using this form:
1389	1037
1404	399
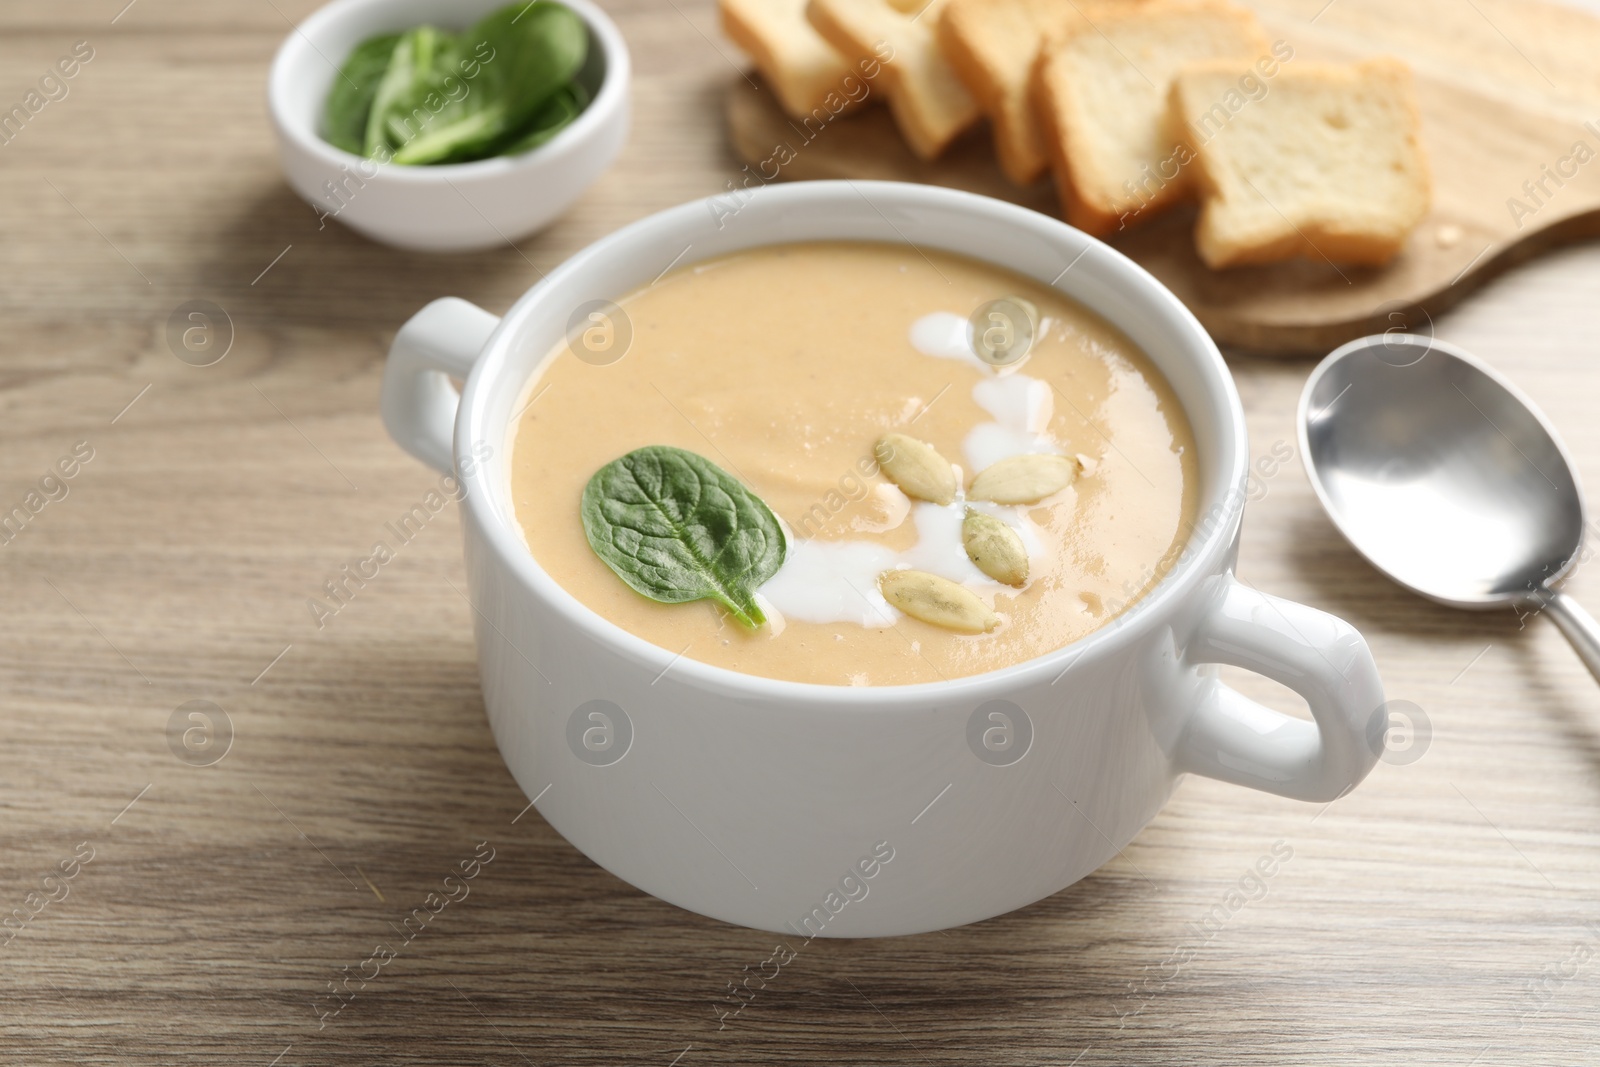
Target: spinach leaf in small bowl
350	101
555	116
502	87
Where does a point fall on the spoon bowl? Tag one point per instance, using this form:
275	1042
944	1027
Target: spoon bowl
1446	478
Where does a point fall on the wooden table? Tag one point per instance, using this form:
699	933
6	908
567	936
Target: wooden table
1446	912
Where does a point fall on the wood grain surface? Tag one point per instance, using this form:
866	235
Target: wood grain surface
1508	92
1446	912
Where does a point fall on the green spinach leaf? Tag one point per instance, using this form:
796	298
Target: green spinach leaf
503	86
555	116
525	53
344	118
399	93
676	528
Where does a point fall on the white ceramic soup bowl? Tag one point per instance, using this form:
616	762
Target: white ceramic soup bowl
450	207
853	812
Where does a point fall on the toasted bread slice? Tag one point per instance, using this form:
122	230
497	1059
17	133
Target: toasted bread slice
806	73
1102	88
993	45
930	104
1327	163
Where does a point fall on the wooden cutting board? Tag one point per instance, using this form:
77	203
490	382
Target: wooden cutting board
1508	89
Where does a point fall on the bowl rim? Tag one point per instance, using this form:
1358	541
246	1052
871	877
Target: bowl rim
1219	511
298	48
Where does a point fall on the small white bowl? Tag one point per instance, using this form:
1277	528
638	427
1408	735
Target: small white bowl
453	207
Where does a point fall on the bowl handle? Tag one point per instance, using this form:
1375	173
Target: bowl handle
1323	658
439	342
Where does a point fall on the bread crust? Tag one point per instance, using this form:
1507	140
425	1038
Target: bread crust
1075	207
1089	198
802	83
1018	140
930	104
1315	229
993	46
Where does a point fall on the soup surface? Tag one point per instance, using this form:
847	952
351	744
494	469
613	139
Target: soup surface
784	366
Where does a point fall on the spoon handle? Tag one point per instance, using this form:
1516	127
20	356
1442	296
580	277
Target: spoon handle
1579	626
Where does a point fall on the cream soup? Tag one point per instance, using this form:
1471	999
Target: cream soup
784	366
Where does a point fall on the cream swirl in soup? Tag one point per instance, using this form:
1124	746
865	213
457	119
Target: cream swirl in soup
786	366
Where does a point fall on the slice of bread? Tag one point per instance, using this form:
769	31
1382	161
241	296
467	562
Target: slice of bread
930	104
993	45
1327	162
806	73
1102	90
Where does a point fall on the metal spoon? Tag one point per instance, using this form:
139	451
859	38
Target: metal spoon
1447	479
